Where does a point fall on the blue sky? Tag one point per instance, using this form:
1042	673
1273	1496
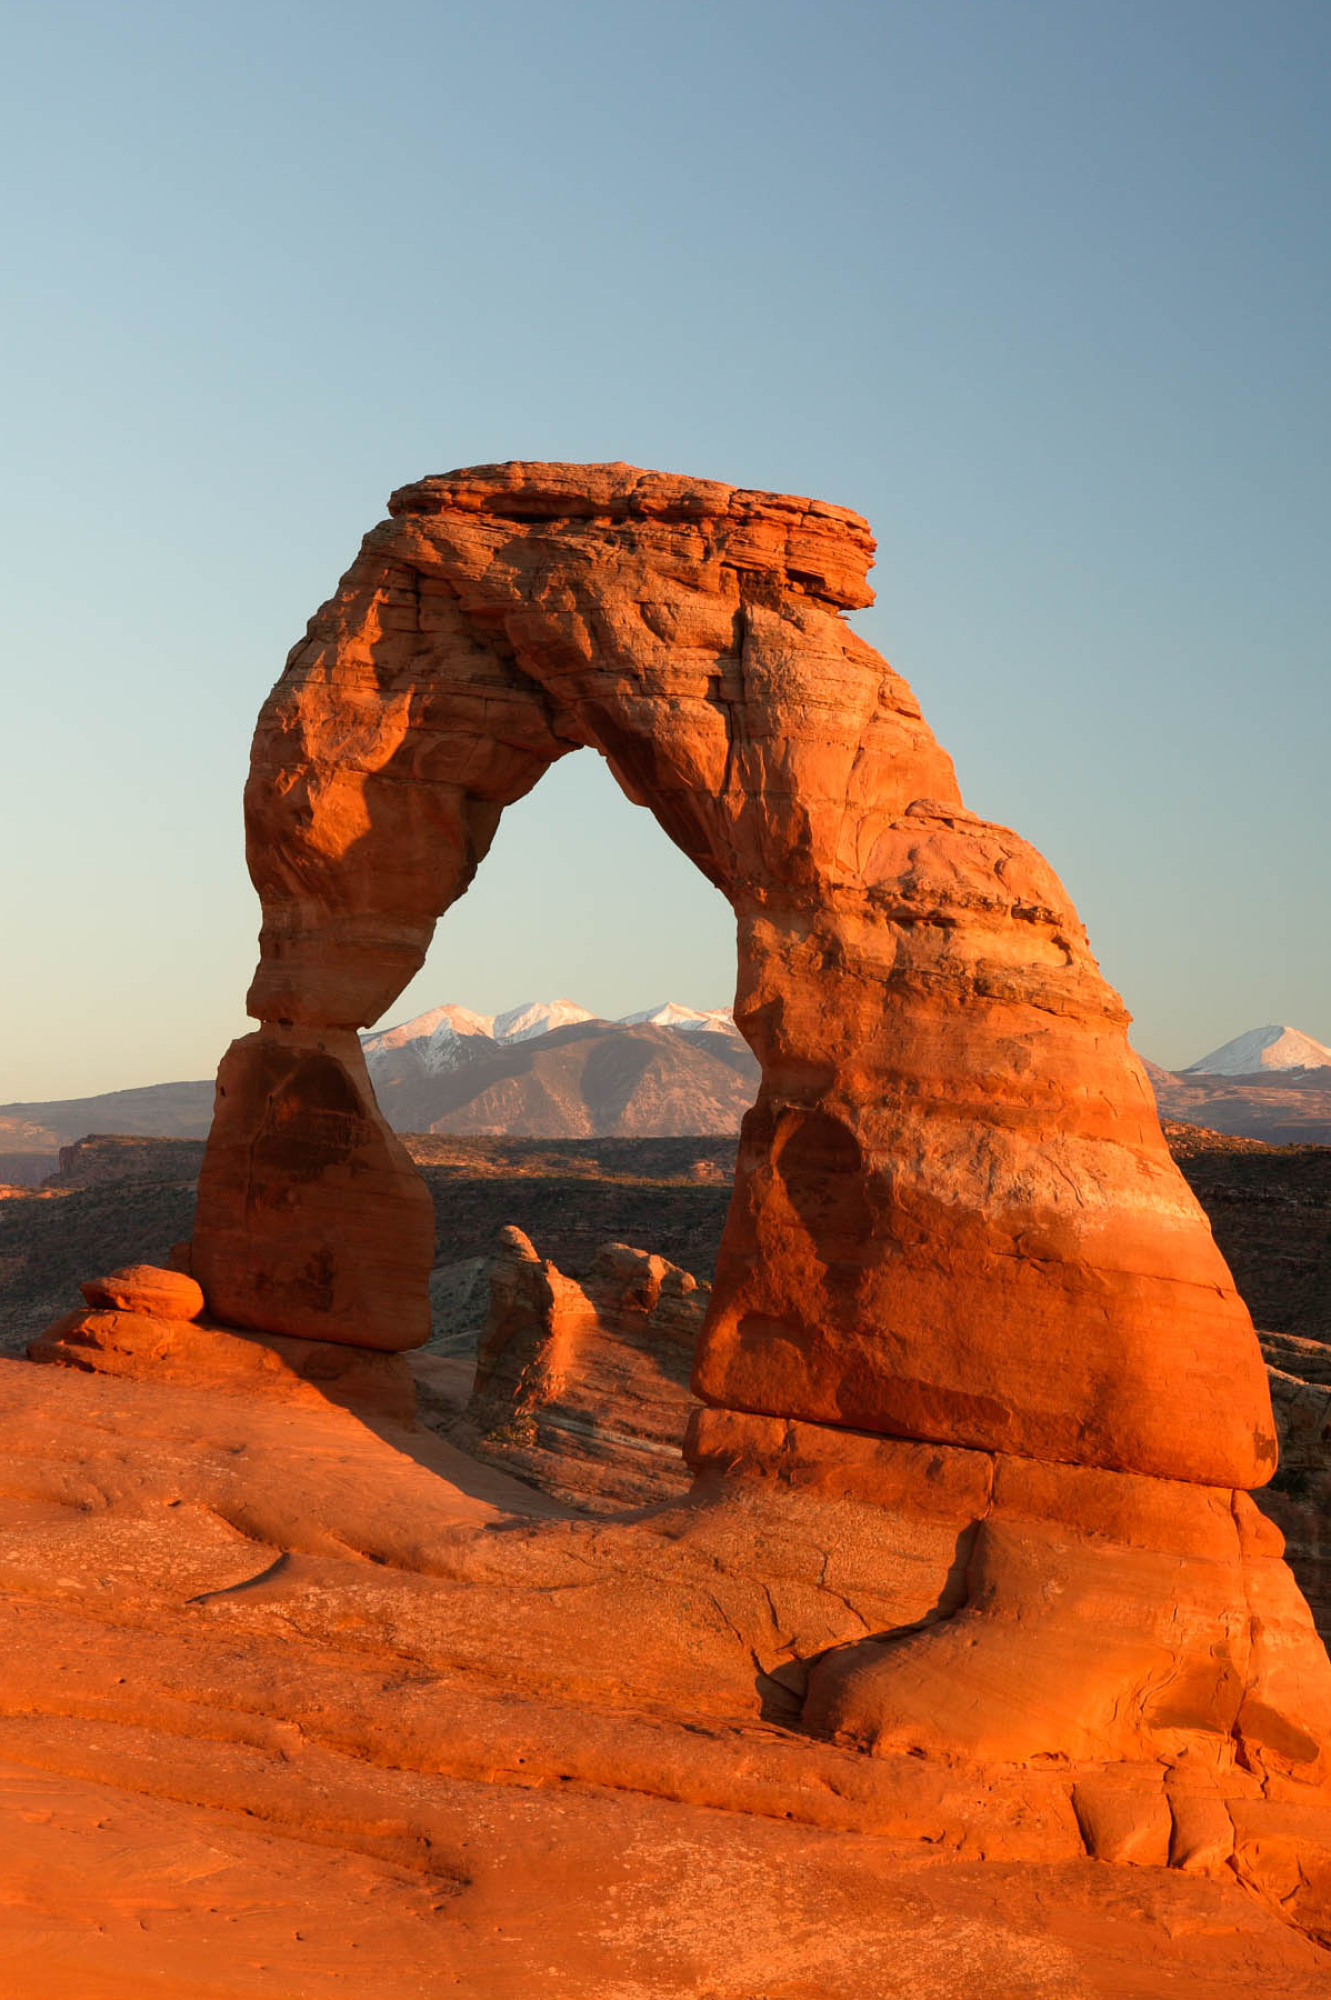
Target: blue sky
1041	288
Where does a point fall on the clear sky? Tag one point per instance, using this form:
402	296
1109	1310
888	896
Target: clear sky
1039	286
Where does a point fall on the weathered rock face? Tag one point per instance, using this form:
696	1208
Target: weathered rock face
317	1223
954	1216
584	1389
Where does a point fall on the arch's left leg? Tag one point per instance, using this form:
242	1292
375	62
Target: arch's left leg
381	764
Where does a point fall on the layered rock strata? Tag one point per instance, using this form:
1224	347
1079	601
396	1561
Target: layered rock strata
1087	1614
584	1388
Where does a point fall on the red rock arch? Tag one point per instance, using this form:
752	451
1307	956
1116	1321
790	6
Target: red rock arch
954	1217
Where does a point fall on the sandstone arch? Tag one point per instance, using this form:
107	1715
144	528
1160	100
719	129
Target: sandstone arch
954	1217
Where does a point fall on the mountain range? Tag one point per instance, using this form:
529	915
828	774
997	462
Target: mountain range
552	1069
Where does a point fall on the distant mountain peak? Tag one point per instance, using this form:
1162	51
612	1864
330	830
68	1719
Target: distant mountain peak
537	1017
553	1069
1277	1046
438	1021
689	1020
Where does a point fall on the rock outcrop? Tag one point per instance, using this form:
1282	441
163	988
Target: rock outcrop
584	1388
962	1286
144	1322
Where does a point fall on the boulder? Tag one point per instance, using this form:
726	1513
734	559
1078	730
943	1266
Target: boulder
145	1288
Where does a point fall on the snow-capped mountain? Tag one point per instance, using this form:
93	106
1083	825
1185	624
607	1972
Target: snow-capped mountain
553	1069
689	1021
1276	1047
445	1036
437	1040
537	1017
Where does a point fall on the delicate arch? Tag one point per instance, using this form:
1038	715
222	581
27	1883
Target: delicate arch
954	1216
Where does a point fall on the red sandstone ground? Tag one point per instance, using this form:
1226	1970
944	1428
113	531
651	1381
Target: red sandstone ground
248	1753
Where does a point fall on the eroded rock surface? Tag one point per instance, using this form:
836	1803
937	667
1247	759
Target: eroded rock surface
584	1388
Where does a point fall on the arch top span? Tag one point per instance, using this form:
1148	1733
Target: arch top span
954	1215
818	549
690	632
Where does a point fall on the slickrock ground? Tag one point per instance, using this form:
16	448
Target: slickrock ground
292	1704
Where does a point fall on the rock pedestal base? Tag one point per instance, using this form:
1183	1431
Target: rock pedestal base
148	1347
311	1219
1065	1616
